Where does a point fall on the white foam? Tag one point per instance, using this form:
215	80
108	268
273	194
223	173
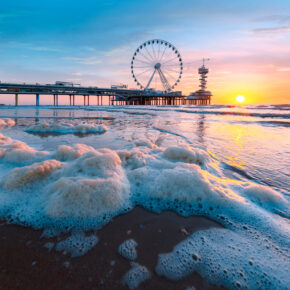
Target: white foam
65	128
83	188
229	259
128	249
77	244
186	154
265	196
85	198
65	152
19	177
17	152
4	123
89	186
144	142
136	275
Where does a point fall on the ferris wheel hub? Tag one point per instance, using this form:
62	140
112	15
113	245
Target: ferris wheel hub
157	65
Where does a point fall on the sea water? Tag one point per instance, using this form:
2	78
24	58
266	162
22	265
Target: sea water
74	168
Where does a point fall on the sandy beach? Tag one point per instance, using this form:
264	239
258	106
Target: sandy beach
26	264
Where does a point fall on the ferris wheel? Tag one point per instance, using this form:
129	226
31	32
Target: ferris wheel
157	64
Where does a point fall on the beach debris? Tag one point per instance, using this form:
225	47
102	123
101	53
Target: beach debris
184	231
128	249
136	275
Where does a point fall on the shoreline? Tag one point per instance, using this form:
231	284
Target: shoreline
26	264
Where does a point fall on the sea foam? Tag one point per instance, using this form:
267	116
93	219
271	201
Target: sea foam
78	187
136	275
65	128
128	249
4	123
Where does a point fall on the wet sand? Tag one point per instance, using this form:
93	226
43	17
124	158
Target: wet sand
26	264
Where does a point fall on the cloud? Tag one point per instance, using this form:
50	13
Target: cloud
270	30
77	74
84	60
284	69
274	18
32	46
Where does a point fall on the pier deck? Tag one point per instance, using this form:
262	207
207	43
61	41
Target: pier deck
113	96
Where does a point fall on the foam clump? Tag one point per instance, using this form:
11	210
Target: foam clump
265	196
86	198
128	249
19	177
4	123
180	182
77	244
92	185
144	143
132	159
136	275
65	128
17	152
65	152
5	140
186	154
84	192
226	258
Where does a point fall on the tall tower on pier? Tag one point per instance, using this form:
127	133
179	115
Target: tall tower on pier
202	96
203	71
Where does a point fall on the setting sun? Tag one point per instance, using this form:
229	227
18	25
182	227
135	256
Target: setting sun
240	99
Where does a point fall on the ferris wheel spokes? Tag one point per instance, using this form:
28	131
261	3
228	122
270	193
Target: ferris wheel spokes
150	80
164	81
157	62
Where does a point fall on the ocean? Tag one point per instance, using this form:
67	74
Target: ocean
76	168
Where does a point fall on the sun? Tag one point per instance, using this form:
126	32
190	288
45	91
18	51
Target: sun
240	99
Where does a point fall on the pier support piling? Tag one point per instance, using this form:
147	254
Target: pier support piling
16	99
37	100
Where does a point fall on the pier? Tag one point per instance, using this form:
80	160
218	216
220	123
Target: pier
114	96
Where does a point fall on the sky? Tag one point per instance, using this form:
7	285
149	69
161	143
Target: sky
92	43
